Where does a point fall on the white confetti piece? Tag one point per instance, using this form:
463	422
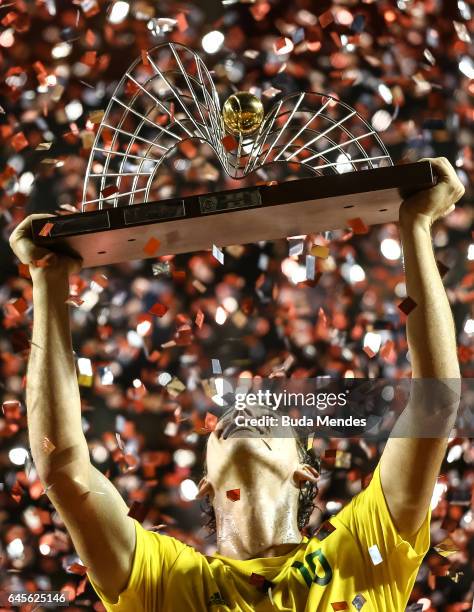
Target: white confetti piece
310	267
375	555
218	254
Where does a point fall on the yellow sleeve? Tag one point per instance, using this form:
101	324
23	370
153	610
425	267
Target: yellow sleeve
154	556
387	555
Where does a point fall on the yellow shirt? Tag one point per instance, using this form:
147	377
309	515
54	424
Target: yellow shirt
357	561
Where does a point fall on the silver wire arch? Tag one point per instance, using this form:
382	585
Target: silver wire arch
167	98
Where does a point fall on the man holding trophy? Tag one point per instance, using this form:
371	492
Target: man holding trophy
365	558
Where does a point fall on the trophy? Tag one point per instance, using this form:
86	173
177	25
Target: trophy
315	163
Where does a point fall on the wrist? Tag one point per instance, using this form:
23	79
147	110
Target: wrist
47	281
414	221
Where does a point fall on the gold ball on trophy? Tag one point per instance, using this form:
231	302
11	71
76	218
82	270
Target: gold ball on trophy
242	113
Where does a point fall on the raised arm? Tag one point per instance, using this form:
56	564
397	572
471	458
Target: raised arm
410	465
92	509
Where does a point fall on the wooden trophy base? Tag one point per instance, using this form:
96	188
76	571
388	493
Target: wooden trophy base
239	216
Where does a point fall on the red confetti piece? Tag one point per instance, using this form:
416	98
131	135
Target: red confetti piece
233	494
387	349
188	148
326	18
39	68
229	143
110	190
46	229
325	530
19	305
368	351
9	18
12	410
358	226
442	268
210	421
24	270
89	58
81	587
407	305
182	22
16	492
74	300
138	511
199	319
77	568
151	246
257	580
465	353
158	309
184	335
283	45
19	141
339	605
90	38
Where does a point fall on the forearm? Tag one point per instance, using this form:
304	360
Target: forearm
430	327
52	393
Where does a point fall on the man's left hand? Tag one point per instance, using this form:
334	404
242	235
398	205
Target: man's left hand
437	201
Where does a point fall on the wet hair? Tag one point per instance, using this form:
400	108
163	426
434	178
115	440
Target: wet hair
307	494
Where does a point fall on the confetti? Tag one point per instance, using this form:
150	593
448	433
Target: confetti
161	268
229	143
151	247
46	229
326	18
108	191
138	511
339	605
320	251
47	446
310	267
375	555
43	146
368	351
325	530
358	226
19	142
233	494
218	254
442	268
199	319
216	366
96	116
260	582
76	568
359	601
408	69
283	46
407	305
158	309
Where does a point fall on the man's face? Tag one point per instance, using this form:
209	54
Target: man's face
240	453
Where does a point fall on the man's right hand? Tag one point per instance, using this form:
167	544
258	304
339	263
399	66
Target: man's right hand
39	258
